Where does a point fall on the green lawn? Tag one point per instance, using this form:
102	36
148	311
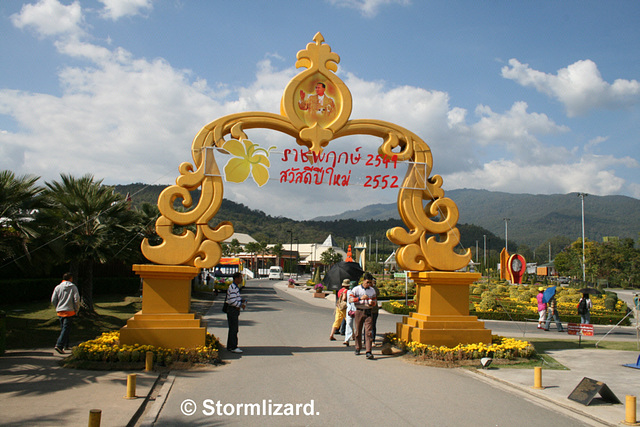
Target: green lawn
543	345
35	325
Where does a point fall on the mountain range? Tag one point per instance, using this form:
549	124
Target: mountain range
532	218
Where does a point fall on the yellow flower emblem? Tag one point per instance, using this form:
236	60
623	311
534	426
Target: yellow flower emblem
249	159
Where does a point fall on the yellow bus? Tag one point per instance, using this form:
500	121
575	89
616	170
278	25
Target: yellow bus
223	272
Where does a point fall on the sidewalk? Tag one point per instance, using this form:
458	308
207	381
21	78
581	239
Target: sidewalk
35	391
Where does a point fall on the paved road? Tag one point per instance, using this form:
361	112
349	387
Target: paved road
288	360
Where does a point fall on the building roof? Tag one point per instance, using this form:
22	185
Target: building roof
242	238
329	242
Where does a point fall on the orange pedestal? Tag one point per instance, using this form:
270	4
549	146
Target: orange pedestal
442	316
165	320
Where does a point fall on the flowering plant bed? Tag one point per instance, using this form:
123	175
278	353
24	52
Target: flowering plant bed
106	353
396	307
518	302
500	348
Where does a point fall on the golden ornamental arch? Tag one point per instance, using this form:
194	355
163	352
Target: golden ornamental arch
431	218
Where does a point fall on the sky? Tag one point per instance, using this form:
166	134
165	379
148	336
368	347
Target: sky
513	96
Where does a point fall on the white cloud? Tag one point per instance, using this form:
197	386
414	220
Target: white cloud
579	86
368	8
590	174
516	131
595	142
116	9
50	18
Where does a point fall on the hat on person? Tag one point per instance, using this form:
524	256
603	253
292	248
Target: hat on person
541	289
346	283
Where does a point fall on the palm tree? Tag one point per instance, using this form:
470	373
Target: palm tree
235	247
94	224
277	250
264	250
19	198
147	216
253	248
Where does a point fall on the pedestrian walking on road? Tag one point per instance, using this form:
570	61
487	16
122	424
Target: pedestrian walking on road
542	308
584	309
341	307
375	310
552	313
67	301
364	297
350	318
236	303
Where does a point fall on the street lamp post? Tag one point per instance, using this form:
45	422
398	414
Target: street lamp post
290	251
297	255
582	196
484	256
506	234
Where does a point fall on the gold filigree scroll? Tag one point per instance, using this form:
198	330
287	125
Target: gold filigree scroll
202	248
418	251
328	120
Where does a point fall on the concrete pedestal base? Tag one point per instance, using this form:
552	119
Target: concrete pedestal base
165	320
442	316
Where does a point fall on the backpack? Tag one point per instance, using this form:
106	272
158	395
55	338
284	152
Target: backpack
582	306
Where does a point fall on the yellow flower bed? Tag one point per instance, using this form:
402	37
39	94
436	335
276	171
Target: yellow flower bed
500	348
107	348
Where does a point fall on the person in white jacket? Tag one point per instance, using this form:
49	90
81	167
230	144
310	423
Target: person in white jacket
66	299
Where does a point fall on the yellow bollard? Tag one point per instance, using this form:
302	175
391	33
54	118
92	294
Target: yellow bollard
148	363
630	411
537	378
131	386
94	417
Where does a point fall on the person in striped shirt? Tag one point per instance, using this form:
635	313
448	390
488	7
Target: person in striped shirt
364	298
236	303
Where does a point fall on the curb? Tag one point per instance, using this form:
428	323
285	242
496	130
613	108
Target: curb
152	415
543	400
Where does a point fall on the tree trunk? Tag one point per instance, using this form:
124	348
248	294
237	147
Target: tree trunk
86	289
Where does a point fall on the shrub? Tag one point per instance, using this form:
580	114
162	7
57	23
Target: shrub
610	302
488	303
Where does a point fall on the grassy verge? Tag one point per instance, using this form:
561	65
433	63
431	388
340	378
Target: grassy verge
543	345
35	325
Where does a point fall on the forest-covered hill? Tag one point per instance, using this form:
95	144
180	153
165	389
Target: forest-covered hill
263	227
533	219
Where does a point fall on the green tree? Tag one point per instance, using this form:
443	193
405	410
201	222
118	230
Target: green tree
19	197
234	247
277	250
550	248
253	248
94	224
263	249
330	257
147	216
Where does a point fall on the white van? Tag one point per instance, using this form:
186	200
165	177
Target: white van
276	273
